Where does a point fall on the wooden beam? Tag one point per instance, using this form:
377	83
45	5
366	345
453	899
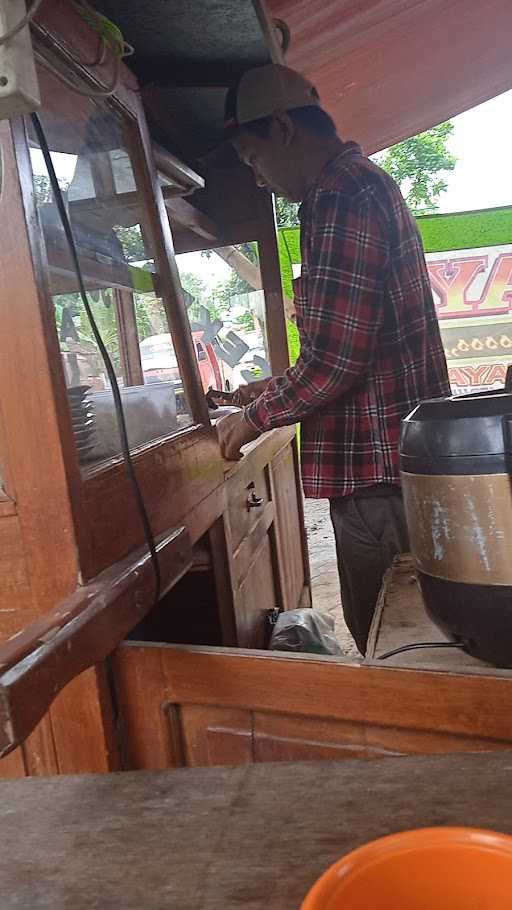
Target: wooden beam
242	265
127	331
250	272
172	294
269	30
182	212
272	286
82	631
209	74
175	170
188	241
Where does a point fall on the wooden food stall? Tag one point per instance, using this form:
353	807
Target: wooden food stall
230	536
94	676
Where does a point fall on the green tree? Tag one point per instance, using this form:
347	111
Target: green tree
132	243
220	302
418	165
287	213
194	285
235	285
43	188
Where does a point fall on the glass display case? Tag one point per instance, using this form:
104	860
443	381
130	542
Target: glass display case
74	549
95	156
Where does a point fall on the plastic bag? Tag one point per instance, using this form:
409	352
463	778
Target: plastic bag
307	631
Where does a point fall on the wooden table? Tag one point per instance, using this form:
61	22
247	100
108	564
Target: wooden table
225	839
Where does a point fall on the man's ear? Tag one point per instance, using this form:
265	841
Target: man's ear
285	126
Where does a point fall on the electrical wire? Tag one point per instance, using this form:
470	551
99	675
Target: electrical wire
105	92
118	404
421	644
111	39
26	20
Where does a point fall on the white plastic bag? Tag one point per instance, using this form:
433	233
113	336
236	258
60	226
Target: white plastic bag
306	631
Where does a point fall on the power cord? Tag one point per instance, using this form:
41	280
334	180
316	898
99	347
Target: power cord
111	39
26	20
421	644
121	422
105	92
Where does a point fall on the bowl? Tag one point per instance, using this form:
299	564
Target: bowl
426	869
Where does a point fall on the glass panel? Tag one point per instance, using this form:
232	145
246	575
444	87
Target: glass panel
93	152
226	310
473	295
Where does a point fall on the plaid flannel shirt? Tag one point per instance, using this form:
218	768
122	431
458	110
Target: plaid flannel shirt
370	341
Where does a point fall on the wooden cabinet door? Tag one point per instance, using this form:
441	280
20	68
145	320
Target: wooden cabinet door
267	537
255	597
214	706
292	558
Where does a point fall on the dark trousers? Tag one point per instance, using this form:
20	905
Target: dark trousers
370	531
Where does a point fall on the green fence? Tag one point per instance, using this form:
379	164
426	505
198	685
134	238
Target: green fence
459	231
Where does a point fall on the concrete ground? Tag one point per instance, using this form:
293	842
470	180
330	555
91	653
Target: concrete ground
324	571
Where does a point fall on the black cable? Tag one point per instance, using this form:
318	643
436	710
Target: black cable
422	644
118	404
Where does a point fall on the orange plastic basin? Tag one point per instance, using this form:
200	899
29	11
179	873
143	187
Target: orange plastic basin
428	869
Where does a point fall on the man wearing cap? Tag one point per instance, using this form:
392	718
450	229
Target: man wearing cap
370	341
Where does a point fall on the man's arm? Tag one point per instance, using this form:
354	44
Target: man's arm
345	282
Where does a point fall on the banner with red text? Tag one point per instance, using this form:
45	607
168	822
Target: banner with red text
473	296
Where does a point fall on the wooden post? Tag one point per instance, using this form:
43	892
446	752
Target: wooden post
129	350
272	287
172	295
277	335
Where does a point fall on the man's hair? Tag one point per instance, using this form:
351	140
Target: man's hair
311	118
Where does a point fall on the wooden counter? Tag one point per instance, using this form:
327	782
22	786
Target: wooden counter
172	840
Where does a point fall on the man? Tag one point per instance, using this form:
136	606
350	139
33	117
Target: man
370	341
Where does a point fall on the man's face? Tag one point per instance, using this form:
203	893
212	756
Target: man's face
271	158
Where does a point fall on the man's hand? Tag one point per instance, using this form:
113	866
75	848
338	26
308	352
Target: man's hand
239	398
247	393
233	432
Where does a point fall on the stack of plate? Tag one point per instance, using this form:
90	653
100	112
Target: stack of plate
82	417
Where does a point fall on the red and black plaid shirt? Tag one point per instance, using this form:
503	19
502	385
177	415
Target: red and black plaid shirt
370	342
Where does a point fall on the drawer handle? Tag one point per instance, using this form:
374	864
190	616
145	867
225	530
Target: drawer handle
253	501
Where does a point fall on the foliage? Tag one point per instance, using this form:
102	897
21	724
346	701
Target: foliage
43	188
194	285
244	321
132	243
220	302
417	165
287	213
73	323
75	332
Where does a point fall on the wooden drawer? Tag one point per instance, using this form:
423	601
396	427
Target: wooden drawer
248	495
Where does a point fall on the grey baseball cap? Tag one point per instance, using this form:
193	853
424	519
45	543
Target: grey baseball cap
260	92
266	89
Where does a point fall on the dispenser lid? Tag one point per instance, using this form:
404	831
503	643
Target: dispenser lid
467	426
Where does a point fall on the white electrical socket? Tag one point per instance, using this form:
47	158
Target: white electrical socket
19	89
